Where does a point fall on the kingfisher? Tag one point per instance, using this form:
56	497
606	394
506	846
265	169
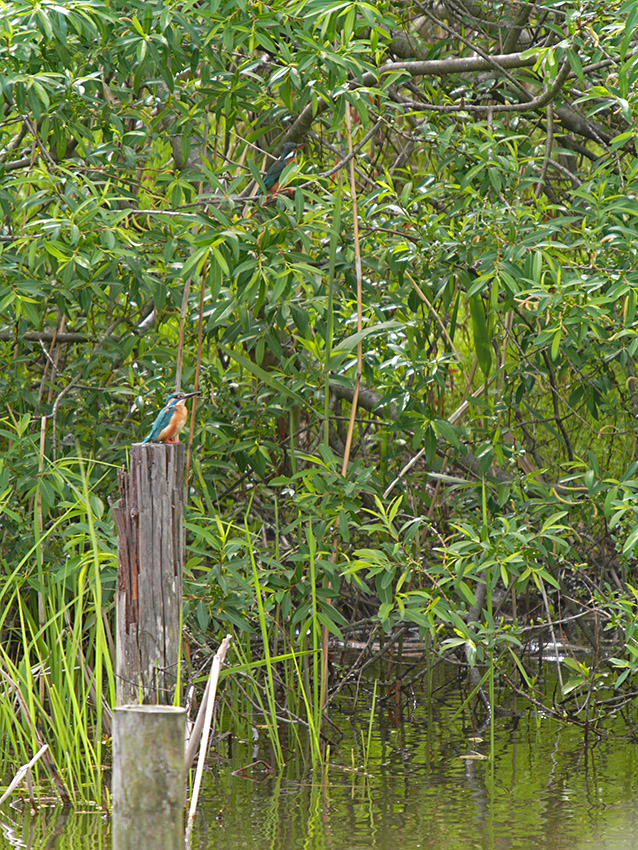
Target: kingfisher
170	420
271	177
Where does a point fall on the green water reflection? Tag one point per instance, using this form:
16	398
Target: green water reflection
544	790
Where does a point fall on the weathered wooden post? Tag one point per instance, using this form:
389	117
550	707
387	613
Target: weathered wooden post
149	520
149	784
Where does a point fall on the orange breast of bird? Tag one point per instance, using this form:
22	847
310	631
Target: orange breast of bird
178	420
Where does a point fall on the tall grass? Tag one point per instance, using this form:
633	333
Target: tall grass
290	670
56	673
57	681
270	715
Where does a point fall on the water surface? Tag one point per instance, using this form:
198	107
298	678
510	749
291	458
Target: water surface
432	789
425	781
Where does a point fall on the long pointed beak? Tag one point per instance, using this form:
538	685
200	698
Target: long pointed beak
190	395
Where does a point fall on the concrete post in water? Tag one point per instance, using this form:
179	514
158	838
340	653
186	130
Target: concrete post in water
149	520
149	787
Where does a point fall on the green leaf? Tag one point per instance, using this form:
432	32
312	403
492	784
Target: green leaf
351	342
630	542
555	347
466	592
482	341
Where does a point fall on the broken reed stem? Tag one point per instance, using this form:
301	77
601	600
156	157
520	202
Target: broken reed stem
203	723
25	770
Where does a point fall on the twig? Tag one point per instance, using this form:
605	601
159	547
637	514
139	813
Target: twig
354	667
543	708
404	471
352	153
44	336
476	49
425	300
565	172
70	385
34	132
50	362
552	633
290	718
371	660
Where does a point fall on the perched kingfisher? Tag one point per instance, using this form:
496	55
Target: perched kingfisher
271	177
170	420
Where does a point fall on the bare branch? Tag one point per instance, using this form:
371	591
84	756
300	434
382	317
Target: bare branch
527	106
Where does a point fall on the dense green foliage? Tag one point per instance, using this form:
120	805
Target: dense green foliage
481	279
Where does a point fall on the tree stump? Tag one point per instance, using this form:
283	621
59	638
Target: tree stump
150	526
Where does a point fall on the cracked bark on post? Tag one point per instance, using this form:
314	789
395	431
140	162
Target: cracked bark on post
149	520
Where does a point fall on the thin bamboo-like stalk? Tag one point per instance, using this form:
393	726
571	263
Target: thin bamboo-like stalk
334	240
355	397
39	524
359	276
319	687
182	323
198	368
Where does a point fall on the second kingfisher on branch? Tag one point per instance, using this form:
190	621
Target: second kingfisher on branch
170	420
270	178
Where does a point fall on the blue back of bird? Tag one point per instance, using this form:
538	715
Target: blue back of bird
163	418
